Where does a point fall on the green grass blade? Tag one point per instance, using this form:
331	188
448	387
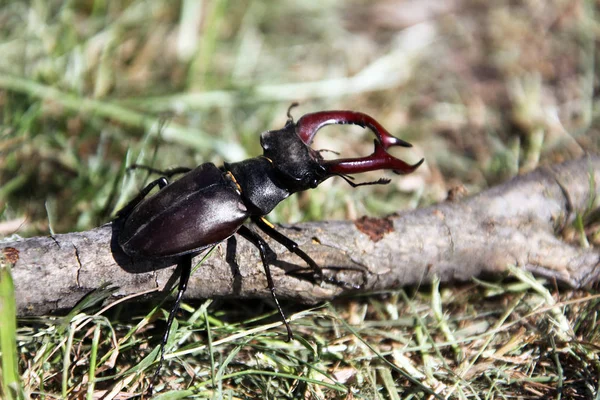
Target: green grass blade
11	387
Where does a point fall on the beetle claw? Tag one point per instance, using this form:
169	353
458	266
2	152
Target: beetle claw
380	159
309	124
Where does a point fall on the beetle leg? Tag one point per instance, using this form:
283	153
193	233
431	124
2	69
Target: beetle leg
185	263
169	172
263	249
293	247
289	244
161	182
348	179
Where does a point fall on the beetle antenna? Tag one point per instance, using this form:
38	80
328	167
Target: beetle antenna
289	111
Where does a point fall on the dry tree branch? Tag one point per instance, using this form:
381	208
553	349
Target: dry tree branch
517	223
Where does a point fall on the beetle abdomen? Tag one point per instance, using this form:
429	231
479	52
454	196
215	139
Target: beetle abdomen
200	209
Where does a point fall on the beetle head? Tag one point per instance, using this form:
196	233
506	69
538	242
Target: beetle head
298	166
290	152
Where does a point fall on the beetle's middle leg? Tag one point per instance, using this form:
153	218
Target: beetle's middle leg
265	254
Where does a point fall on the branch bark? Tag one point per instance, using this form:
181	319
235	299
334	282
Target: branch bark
519	222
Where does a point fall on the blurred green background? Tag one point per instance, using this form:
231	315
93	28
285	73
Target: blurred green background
483	90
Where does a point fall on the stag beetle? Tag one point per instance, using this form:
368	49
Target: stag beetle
209	204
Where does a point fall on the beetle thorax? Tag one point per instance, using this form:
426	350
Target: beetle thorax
259	187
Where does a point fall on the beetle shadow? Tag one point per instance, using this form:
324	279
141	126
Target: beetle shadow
231	259
291	269
332	274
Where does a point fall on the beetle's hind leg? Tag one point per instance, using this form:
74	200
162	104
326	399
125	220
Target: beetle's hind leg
185	264
266	255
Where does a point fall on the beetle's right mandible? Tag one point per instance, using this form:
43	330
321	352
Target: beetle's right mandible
308	125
